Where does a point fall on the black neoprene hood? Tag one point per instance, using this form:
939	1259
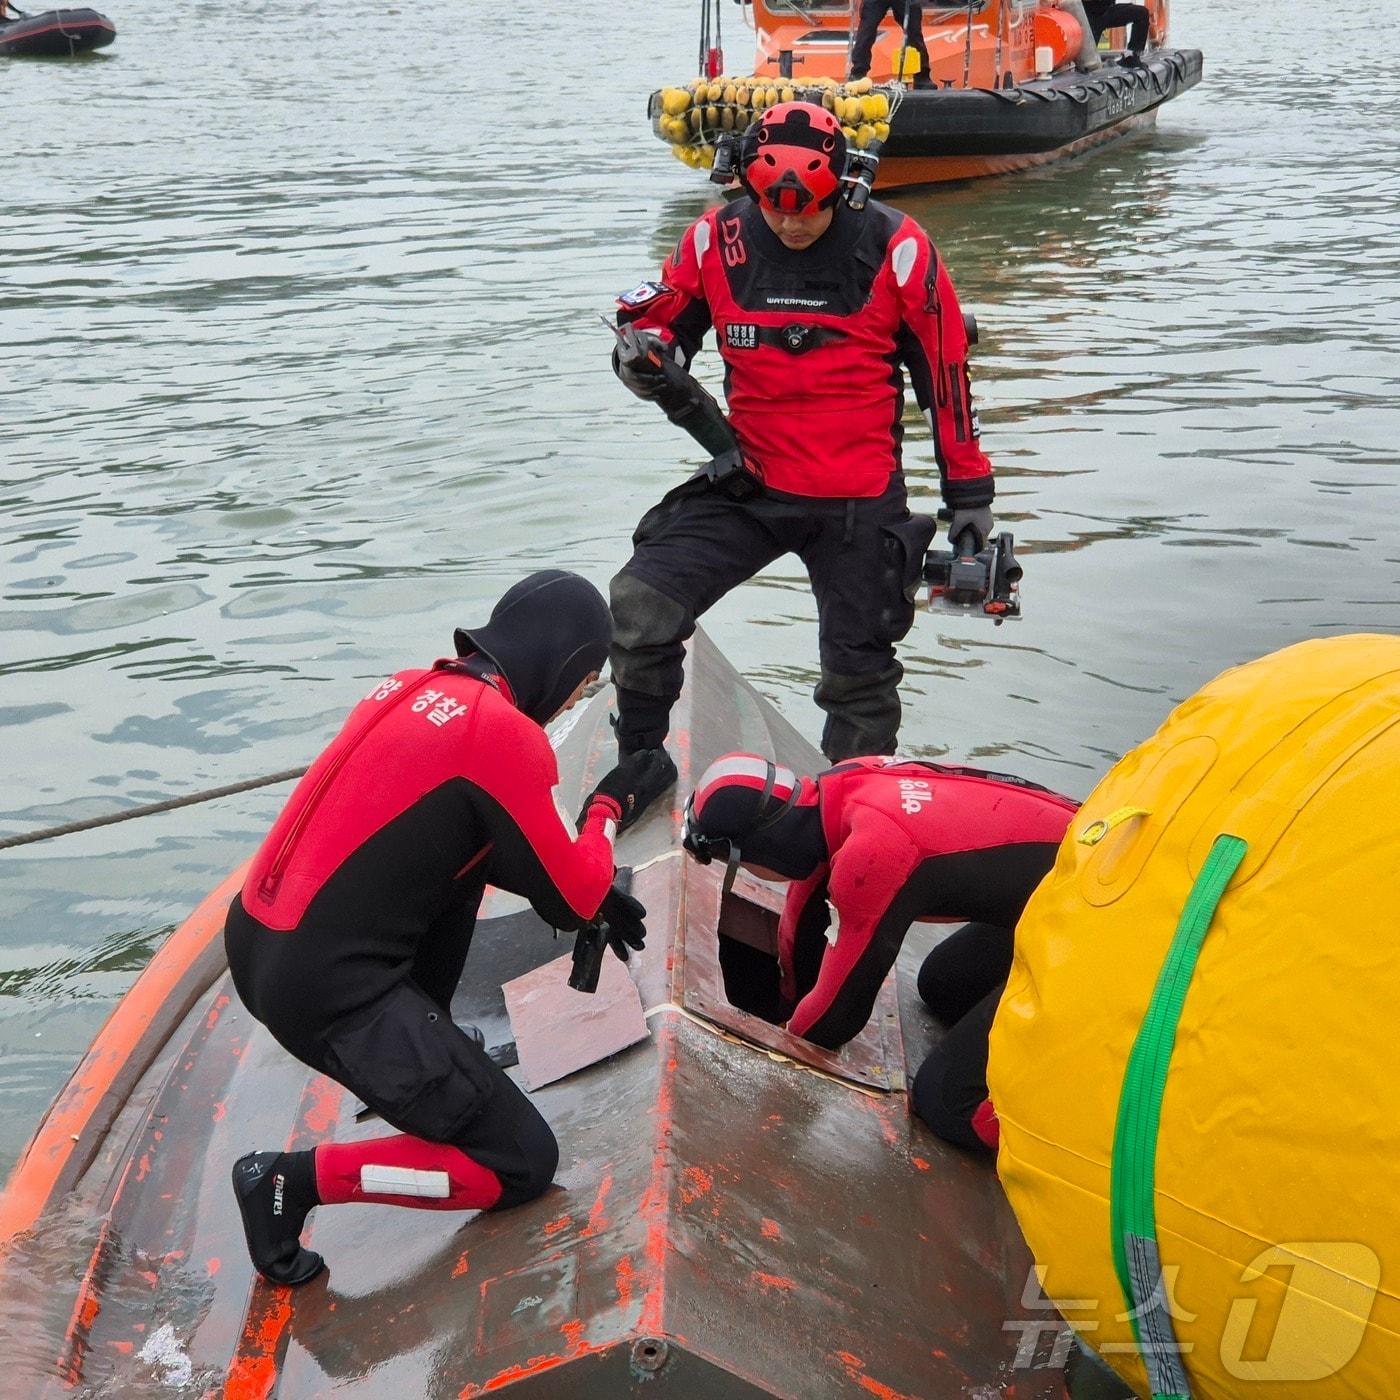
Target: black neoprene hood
547	634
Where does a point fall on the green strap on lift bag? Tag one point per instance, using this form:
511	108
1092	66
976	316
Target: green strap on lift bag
1132	1207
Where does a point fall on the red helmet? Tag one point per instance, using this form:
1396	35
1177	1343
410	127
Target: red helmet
793	159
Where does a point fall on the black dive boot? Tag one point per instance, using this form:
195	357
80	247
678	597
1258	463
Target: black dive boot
275	1190
650	773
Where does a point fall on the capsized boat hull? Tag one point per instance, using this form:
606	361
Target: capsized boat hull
55	34
730	1219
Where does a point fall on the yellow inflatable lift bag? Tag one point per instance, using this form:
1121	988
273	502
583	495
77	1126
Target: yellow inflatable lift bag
1196	1062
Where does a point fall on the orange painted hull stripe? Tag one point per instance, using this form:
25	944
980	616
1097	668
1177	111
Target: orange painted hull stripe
60	1134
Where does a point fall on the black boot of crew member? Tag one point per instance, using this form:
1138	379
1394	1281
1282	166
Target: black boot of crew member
645	774
644	770
275	1190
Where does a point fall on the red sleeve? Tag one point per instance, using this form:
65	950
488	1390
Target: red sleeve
675	308
933	342
868	874
534	851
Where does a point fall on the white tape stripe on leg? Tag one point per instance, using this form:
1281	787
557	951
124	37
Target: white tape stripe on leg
404	1181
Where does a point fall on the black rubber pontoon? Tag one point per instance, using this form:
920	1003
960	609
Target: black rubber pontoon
1038	116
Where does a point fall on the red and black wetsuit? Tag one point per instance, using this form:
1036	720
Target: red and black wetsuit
816	343
908	841
351	930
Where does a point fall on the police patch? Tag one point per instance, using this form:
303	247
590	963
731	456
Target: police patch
643	294
741	337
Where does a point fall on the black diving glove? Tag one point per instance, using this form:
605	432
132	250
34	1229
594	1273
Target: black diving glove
978	519
624	917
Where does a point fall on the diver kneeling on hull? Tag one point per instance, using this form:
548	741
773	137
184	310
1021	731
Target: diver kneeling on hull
349	936
880	842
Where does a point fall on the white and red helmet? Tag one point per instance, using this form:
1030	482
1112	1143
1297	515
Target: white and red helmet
740	802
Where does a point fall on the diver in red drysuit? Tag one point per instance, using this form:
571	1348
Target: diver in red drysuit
350	933
869	846
819	311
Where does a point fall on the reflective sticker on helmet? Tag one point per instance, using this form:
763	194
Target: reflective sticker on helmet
643	294
903	258
747	769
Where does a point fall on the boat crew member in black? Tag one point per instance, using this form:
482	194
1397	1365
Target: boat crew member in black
351	930
819	310
1106	14
909	15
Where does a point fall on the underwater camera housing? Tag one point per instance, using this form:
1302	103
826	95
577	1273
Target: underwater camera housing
858	180
725	170
982	584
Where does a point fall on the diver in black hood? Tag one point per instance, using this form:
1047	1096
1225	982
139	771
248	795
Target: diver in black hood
547	634
350	933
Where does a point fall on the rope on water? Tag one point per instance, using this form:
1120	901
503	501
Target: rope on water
169	805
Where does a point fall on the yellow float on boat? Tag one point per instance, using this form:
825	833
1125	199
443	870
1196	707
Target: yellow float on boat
1194	1061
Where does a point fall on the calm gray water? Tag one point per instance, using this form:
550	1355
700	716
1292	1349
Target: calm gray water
300	366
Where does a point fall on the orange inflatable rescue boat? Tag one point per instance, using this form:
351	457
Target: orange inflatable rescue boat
1009	84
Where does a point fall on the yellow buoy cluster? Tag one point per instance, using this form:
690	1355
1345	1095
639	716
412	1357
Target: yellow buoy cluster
1271	1167
691	119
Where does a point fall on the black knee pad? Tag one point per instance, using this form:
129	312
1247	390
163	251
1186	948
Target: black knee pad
963	968
644	617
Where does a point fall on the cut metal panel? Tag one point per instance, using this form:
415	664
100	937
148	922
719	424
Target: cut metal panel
750	913
503	948
559	1030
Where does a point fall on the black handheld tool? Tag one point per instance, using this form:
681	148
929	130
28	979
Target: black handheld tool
591	942
683	399
973	582
689	405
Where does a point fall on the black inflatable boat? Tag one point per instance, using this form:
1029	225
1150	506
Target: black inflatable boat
55	33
